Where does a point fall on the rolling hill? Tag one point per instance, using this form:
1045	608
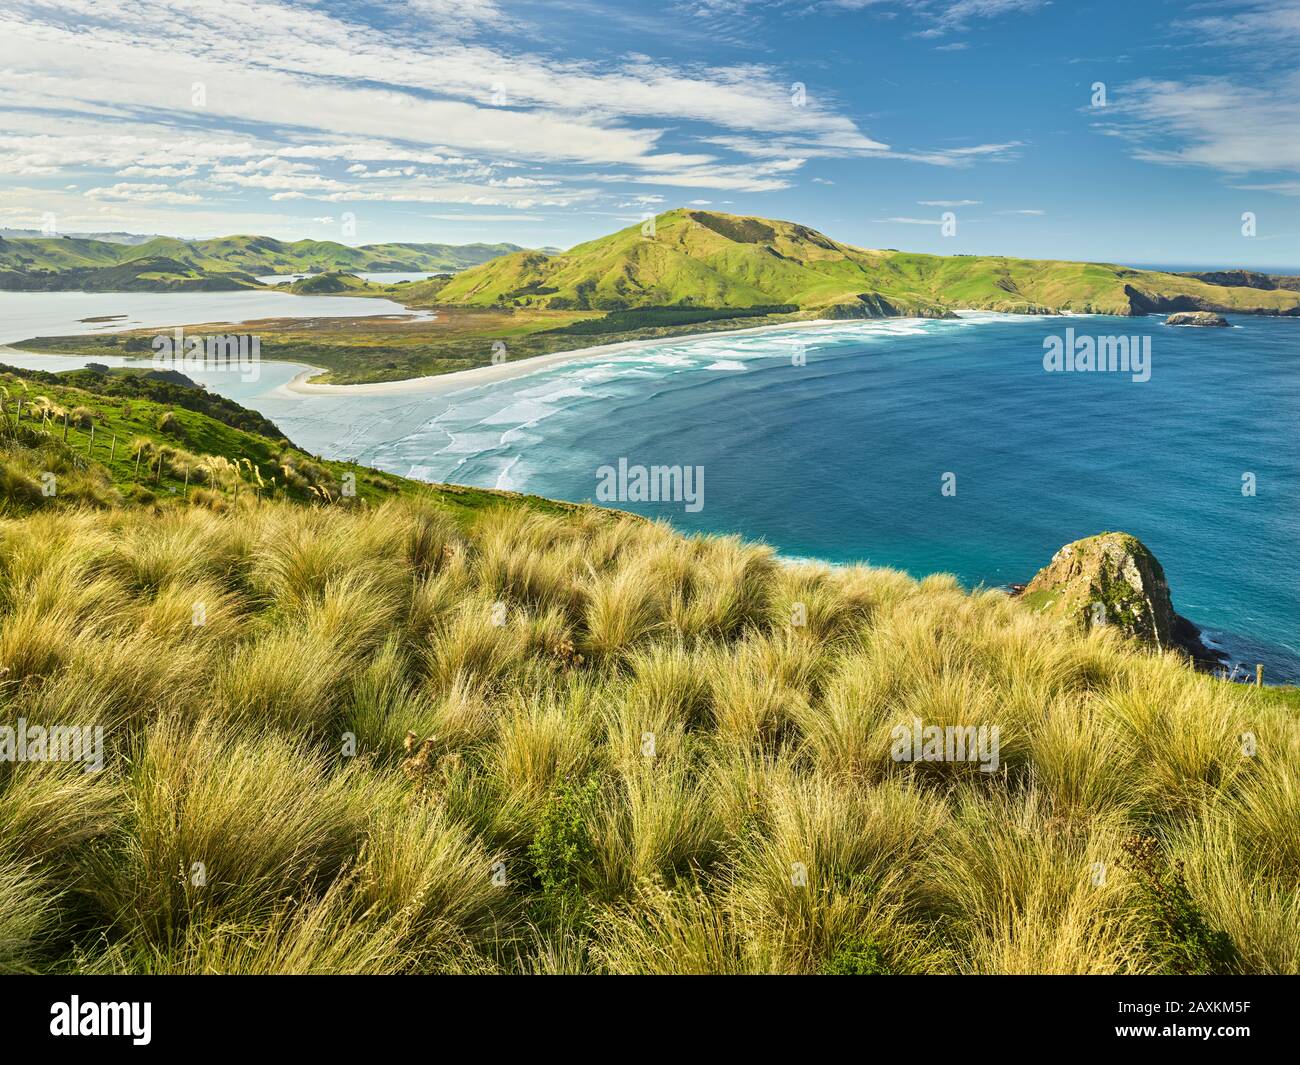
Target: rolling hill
708	259
146	274
98	265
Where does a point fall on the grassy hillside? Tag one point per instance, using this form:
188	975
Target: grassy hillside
130	439
70	263
430	729
708	259
152	274
401	742
333	283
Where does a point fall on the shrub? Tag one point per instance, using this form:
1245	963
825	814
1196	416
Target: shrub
169	424
856	958
562	852
1181	933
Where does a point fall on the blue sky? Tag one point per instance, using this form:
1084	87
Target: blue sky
548	122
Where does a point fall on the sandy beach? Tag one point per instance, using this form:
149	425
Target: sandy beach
442	384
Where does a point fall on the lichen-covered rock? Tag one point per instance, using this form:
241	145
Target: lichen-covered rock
1114	579
1201	318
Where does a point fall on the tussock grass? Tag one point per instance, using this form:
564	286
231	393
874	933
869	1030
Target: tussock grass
26	916
399	739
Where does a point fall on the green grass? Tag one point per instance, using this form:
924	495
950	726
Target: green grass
407	738
228	452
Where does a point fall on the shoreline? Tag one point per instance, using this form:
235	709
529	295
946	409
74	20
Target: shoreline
440	384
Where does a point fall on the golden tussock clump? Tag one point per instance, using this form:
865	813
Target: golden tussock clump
417	739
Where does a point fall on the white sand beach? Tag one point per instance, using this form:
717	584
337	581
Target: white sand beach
441	384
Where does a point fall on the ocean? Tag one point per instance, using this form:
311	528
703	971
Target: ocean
930	446
843	457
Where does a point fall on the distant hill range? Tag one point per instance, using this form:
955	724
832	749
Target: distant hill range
709	259
166	263
686	259
109	238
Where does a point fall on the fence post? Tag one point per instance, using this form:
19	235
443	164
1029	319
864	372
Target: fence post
65	425
90	448
112	449
1259	675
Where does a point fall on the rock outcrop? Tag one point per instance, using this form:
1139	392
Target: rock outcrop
1248	279
1199	318
1114	579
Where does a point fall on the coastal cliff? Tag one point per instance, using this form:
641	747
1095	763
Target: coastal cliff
1114	579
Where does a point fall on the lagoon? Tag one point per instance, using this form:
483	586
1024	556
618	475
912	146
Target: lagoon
31	314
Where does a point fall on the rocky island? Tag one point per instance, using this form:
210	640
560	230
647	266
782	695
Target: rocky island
1196	318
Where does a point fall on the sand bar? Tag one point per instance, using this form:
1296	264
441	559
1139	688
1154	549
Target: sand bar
441	384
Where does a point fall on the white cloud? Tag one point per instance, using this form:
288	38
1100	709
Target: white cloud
302	102
1210	122
514	217
1257	24
158	171
955	16
142	193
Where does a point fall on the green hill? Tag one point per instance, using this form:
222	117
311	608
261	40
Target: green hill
330	283
700	259
66	262
146	274
708	259
124	438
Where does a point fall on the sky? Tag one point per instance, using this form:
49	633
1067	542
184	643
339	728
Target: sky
1139	131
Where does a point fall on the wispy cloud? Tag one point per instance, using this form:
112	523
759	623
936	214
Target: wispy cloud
956	17
1211	122
512	217
435	102
126	192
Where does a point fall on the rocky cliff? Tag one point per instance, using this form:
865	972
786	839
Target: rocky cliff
1114	579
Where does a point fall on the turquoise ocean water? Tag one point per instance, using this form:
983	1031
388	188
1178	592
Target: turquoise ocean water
833	442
